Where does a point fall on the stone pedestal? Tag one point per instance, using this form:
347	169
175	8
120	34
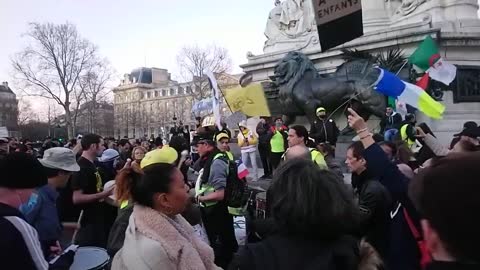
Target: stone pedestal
454	24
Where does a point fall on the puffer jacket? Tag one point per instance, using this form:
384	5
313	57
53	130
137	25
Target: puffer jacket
155	241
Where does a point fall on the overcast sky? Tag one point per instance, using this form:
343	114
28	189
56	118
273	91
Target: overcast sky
134	33
142	32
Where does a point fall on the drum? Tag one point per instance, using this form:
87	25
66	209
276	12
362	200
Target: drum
90	258
261	205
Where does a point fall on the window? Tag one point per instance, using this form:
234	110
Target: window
156	93
141	96
164	92
152	131
181	91
149	95
172	91
189	90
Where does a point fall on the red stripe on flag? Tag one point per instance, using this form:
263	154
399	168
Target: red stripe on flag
423	82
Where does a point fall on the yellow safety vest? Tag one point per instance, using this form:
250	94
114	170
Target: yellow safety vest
277	143
405	138
206	189
317	157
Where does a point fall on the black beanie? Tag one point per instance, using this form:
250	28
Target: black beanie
21	171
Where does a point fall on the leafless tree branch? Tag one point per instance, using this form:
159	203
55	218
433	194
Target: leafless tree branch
53	63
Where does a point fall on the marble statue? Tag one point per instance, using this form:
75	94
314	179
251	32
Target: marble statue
289	21
409	6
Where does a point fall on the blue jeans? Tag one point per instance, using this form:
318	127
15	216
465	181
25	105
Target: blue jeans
390	134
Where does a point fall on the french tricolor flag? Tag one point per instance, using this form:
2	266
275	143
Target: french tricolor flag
242	170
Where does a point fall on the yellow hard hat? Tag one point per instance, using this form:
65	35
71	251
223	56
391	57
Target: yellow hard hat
164	155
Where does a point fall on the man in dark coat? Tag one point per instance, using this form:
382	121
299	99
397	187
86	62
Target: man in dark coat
390	124
324	130
264	146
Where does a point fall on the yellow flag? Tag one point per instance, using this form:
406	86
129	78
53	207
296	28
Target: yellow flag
249	100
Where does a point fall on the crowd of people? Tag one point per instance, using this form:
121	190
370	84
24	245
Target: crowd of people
409	205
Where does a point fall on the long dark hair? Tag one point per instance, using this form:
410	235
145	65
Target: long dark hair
316	206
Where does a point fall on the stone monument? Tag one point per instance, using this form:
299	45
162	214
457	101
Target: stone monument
290	25
403	24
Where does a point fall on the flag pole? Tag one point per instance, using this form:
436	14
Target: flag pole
223	95
404	64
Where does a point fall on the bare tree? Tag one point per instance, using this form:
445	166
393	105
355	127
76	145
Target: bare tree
94	90
25	111
195	61
53	63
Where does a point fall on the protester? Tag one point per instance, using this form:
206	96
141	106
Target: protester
329	156
124	148
158	237
373	199
125	182
19	247
138	154
403	252
408	132
390	150
298	135
4	150
449	225
470	133
313	217
324	130
210	193
278	142
470	125
264	146
390	124
59	163
298	151
88	193
158	142
106	164
247	141
223	141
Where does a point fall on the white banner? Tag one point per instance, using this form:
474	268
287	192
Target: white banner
215	97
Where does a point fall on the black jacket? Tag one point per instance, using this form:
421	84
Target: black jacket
403	251
280	252
390	122
263	137
117	232
324	131
374	203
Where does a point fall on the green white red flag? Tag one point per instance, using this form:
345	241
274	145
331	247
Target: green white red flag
427	58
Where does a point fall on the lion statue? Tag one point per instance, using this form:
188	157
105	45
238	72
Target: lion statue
301	90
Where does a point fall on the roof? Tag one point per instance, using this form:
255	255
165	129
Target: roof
5	89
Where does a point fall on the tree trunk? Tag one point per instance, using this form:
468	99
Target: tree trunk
70	127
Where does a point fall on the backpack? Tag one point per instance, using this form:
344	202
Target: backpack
236	192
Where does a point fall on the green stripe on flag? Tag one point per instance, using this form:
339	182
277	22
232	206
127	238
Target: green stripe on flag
391	102
424	53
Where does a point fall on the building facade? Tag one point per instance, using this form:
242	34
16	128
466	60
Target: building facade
148	103
96	117
8	110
